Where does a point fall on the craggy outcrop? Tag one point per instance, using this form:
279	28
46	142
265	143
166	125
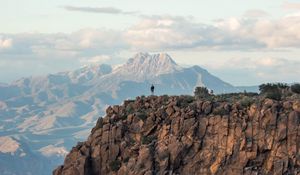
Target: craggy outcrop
181	135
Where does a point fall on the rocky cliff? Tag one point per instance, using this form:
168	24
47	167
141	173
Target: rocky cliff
182	135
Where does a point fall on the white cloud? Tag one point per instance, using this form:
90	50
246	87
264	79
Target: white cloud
291	6
231	24
99	39
282	33
96	59
107	10
257	69
266	33
52	150
255	13
162	33
171	33
5	43
297	14
8	145
158	33
269	62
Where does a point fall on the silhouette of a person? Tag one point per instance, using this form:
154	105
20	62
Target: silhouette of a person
152	89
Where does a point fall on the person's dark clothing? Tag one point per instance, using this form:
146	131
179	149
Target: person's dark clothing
152	89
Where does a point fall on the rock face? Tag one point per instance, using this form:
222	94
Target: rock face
181	135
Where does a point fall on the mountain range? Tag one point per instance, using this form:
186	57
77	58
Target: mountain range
44	116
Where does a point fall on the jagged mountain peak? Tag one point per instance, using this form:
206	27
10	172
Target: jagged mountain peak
145	57
92	70
145	65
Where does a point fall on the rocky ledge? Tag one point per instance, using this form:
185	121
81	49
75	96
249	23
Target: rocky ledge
182	135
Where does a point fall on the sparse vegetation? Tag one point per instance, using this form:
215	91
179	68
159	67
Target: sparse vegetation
125	128
234	97
247	101
129	109
272	87
165	98
201	92
124	117
115	165
295	88
126	160
147	139
273	90
185	100
275	95
131	141
220	111
142	115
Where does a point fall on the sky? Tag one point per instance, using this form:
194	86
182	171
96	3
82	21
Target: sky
241	42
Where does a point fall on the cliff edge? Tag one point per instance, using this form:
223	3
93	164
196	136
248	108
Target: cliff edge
185	135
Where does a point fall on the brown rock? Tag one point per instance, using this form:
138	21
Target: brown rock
287	105
296	106
207	107
262	139
115	109
109	110
170	111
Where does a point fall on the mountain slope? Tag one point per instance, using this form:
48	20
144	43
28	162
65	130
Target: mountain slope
17	158
181	135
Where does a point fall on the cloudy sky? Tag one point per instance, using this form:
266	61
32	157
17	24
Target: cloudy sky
242	42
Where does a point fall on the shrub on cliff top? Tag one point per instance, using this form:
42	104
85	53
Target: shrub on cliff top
115	165
272	91
265	88
129	109
142	115
185	100
220	111
148	139
246	102
201	92
296	88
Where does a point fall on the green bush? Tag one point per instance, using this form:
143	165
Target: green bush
131	141
272	91
165	98
124	117
246	102
129	109
185	100
115	165
147	139
201	92
142	115
275	95
220	111
296	88
126	160
269	87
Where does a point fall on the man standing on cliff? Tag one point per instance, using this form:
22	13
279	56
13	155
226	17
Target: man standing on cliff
152	89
